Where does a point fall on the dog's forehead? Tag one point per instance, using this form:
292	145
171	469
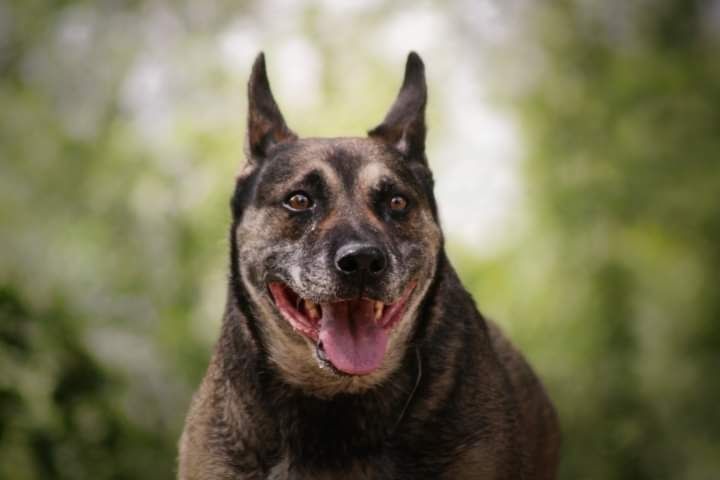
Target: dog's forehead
361	147
346	161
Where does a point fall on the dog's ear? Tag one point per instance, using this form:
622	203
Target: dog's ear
266	125
404	124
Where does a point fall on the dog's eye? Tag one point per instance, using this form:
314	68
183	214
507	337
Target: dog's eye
298	202
398	203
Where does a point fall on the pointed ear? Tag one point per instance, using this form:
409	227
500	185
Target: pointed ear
266	125
404	125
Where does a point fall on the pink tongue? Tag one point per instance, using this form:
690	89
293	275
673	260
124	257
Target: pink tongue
353	342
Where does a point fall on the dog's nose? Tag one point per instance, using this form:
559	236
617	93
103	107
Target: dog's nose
357	258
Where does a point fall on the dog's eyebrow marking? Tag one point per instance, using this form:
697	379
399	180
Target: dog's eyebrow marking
371	174
314	179
320	174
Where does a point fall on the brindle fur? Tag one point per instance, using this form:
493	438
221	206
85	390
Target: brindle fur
453	399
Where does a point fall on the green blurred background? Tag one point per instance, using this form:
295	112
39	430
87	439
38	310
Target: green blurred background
576	146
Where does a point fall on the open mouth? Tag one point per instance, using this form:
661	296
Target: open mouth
350	335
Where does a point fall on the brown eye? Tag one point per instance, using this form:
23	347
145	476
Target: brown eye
398	203
298	202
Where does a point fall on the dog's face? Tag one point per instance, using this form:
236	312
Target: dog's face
336	240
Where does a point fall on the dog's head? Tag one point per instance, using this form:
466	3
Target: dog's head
336	240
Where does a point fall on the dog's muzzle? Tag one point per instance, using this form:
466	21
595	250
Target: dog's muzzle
351	335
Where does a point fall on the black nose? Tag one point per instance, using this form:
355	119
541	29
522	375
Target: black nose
358	258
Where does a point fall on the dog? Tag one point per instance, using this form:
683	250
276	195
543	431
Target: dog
349	349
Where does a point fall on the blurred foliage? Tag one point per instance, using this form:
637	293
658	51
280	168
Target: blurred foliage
105	253
61	414
113	216
615	284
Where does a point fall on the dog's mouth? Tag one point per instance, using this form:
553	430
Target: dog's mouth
350	335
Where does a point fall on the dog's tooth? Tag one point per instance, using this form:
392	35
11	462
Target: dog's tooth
379	306
311	308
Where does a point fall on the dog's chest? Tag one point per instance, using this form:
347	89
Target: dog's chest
284	470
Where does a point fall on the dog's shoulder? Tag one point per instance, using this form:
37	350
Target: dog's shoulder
197	460
536	415
216	442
